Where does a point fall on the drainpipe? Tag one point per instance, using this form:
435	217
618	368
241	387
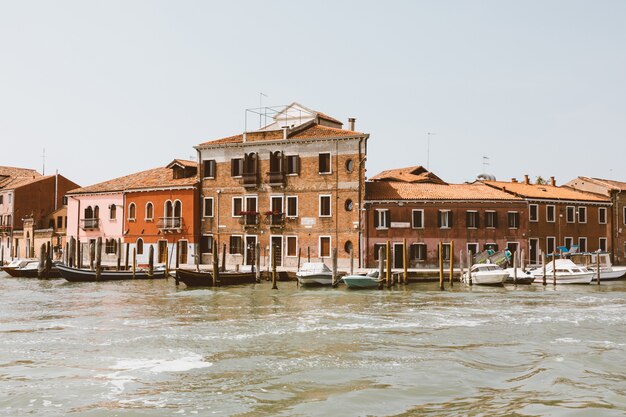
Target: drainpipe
56	190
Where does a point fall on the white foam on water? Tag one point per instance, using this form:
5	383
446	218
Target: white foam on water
185	363
567	340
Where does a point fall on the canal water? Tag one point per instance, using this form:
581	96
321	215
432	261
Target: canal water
152	349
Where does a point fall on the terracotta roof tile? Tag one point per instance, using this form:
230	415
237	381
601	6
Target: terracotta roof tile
311	132
11	177
546	192
396	190
152	178
410	174
615	185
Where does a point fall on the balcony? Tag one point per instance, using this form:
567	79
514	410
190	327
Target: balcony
276	179
276	220
167	224
90	224
250	180
249	219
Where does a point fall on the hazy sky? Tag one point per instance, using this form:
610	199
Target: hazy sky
113	87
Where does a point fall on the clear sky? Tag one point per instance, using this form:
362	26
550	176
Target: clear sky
113	87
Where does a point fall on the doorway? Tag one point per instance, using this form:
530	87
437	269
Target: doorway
162	256
533	245
398	256
183	251
277	245
250	250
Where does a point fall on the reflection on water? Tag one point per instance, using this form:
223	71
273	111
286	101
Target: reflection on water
149	348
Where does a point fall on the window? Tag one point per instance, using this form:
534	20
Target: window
325	206
237	206
276	204
236	167
472	248
96	212
472	219
624	216
324	163
276	162
602	215
131	212
292	206
602	245
324	247
60	222
206	244
490	246
418	251
513	219
377	247
550	244
208	168
349	165
582	214
292	246
533	213
568	242
349	205
110	246
550	218
236	245
417	219
382	220
445	251
140	246
569	214
491	219
347	247
149	211
293	165
445	219
582	244
208	207
112	212
1	199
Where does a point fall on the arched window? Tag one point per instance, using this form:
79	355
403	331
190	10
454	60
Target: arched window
149	211
131	212
140	246
168	209
112	212
96	212
178	213
89	212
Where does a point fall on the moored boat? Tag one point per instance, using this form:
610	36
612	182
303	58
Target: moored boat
16	263
87	275
193	278
485	274
30	269
565	271
523	277
314	273
369	280
607	270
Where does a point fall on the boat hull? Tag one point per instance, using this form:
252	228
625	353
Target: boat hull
487	278
315	280
205	278
522	277
361	282
566	279
84	275
31	273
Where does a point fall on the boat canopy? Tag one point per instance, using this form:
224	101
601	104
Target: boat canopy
314	267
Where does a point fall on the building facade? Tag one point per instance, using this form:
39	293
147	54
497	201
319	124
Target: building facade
295	187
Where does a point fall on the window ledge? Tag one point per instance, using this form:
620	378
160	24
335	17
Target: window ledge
325	173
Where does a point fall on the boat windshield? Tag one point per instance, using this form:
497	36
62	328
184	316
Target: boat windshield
314	267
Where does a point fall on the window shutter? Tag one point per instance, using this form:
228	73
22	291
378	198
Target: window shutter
495	219
439	214
468	219
388	219
450	221
297	164
376	220
477	219
233	163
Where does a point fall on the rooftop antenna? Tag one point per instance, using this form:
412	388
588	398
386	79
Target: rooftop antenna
43	158
428	150
485	163
261	95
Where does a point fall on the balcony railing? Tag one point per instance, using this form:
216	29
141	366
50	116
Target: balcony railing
170	223
250	180
275	219
4	227
90	224
276	178
249	219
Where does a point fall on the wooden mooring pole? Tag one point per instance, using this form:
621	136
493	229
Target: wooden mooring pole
151	260
553	268
126	257
598	267
381	268
543	266
274	254
451	263
388	261
98	258
334	267
134	261
216	266
440	250
405	267
257	260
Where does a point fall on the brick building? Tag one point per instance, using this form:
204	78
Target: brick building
560	216
415	204
295	185
616	192
27	202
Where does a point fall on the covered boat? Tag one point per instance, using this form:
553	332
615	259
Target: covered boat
314	273
87	275
369	280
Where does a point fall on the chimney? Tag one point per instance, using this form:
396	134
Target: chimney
284	128
526	179
351	121
552	182
514	180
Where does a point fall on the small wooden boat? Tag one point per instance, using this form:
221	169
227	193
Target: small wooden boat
193	278
486	274
370	280
87	275
314	273
31	270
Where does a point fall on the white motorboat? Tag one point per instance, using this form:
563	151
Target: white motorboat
314	273
486	274
567	272
370	280
523	277
607	270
